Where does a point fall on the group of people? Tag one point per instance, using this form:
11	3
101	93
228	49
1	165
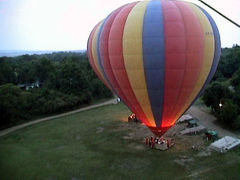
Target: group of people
155	140
150	142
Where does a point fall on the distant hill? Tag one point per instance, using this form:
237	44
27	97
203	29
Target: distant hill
13	53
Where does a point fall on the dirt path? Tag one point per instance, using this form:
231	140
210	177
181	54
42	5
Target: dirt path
205	119
208	121
9	130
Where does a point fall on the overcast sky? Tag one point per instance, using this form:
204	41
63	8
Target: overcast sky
66	24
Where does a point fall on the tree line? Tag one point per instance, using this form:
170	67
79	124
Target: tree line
32	86
223	93
66	81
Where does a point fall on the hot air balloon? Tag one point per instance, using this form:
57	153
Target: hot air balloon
157	56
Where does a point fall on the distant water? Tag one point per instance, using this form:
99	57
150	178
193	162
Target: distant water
12	53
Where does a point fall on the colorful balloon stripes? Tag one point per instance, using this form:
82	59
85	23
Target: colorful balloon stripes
157	56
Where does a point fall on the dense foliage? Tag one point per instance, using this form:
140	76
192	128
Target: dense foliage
223	93
36	85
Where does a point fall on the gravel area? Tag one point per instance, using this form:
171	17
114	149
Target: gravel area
209	121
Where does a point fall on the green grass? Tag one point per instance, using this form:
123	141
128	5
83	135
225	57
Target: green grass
90	145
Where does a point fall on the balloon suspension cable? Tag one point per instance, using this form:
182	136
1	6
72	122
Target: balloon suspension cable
220	13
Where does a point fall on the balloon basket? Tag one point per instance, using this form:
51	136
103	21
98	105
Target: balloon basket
159	143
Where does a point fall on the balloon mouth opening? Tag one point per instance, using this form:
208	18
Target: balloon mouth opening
159	131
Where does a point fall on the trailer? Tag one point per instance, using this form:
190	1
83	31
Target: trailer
225	144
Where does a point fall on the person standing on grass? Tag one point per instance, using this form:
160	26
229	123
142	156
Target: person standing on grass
147	141
153	143
150	142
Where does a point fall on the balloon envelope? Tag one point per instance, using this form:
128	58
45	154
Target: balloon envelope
157	56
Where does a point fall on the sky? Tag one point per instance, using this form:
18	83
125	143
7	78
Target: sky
66	24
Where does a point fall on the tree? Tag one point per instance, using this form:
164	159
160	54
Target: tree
26	72
13	104
43	68
66	82
213	95
99	89
236	123
229	62
228	112
235	81
7	73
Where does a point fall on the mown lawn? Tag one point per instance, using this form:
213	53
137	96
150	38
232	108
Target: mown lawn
90	145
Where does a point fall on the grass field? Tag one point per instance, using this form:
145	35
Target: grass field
94	145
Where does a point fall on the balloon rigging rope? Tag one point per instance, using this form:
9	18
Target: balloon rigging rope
219	13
